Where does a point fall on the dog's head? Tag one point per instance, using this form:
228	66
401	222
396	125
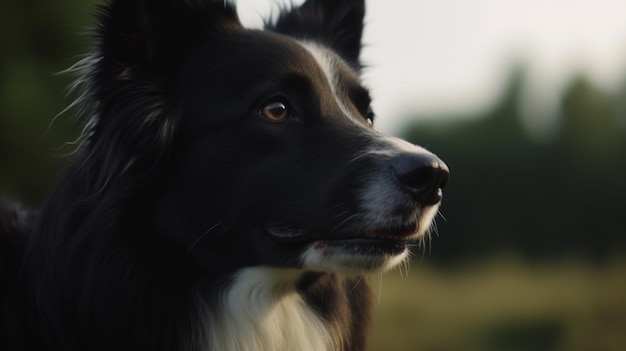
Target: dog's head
253	147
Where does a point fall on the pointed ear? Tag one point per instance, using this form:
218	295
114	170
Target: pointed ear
146	37
126	79
337	24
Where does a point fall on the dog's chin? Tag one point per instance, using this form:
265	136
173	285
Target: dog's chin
352	253
355	256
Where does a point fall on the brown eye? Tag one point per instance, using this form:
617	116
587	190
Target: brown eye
275	111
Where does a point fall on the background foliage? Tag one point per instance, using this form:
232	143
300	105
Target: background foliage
559	196
38	40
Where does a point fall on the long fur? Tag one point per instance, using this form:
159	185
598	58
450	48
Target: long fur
230	193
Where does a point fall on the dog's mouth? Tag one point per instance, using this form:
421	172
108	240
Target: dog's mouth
363	250
381	235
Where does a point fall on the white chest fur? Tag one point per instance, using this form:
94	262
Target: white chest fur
262	311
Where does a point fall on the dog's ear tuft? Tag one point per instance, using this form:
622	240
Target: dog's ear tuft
337	24
129	78
146	37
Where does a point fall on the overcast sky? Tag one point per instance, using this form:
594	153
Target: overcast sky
448	56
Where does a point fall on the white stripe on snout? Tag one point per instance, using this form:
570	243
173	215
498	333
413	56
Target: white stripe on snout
388	147
392	146
384	145
327	61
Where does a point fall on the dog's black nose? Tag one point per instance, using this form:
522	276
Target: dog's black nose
422	175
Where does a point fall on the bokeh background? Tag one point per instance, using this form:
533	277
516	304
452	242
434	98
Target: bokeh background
524	99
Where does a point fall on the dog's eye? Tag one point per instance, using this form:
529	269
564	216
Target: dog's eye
275	111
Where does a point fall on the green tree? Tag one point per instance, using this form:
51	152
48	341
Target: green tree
508	192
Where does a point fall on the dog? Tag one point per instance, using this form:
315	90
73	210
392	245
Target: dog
230	193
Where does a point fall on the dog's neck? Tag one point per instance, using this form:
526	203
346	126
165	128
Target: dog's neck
262	310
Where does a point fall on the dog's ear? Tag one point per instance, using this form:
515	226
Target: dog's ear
146	37
337	24
129	78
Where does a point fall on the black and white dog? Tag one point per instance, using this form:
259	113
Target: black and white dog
230	193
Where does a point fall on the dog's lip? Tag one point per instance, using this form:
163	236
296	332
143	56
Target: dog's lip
370	246
397	234
290	234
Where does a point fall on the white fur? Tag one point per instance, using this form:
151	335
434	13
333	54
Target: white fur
327	61
321	257
262	310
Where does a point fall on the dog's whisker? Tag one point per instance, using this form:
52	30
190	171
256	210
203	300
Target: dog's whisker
380	287
403	267
338	226
433	229
407	264
206	232
358	156
357	282
442	216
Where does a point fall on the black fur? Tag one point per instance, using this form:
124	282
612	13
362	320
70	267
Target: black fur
331	23
181	180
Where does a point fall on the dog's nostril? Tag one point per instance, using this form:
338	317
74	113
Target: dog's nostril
423	175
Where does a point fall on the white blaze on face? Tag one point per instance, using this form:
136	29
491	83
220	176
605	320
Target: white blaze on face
329	62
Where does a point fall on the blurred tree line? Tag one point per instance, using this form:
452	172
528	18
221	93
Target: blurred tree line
509	191
38	39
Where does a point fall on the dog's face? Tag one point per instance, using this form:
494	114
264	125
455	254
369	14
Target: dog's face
273	159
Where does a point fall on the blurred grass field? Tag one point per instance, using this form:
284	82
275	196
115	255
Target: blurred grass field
504	304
